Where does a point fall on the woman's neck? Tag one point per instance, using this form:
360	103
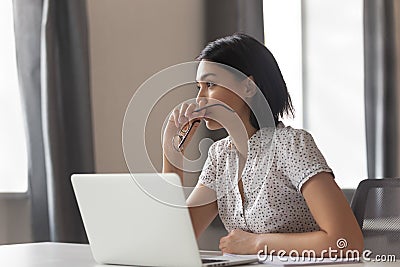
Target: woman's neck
239	138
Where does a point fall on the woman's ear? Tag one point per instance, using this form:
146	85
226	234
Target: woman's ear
250	88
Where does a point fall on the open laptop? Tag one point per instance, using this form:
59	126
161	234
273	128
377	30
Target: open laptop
141	219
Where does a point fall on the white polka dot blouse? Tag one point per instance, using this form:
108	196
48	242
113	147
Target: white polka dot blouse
276	167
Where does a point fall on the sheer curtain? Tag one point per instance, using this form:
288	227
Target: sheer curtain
382	86
52	56
224	17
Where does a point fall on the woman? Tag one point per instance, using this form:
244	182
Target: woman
296	204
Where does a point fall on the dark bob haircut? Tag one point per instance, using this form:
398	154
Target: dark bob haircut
252	58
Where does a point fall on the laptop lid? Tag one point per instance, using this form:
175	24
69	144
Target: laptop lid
125	225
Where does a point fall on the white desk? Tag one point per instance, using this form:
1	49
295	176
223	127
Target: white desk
76	255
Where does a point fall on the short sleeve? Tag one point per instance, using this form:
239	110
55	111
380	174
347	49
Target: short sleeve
209	172
304	159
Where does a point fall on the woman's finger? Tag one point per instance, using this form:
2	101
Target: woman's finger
176	117
171	117
202	103
189	111
182	119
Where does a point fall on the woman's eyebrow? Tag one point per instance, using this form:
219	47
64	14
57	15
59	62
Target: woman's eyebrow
204	76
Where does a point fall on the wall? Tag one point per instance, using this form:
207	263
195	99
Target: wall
130	41
14	219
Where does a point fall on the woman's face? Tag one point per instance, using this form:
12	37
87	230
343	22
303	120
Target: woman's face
218	86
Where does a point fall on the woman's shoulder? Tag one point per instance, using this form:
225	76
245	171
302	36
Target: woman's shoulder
220	146
289	131
289	136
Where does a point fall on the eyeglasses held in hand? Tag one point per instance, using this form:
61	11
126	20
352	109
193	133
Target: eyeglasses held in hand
179	139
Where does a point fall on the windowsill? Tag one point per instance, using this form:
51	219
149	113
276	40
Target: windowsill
14	195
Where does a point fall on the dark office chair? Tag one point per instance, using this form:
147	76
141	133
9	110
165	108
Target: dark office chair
376	206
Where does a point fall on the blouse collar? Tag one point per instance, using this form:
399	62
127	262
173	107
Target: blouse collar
263	135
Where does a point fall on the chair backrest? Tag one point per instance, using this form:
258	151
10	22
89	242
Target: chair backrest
376	206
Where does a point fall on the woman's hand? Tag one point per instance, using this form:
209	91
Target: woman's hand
173	157
177	120
239	242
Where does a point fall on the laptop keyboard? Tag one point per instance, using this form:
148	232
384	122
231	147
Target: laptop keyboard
211	260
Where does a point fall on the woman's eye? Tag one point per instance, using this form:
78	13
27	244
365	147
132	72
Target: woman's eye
210	84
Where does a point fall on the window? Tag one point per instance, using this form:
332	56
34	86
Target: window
13	151
327	87
282	31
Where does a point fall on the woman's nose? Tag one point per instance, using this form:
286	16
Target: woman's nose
201	95
203	101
